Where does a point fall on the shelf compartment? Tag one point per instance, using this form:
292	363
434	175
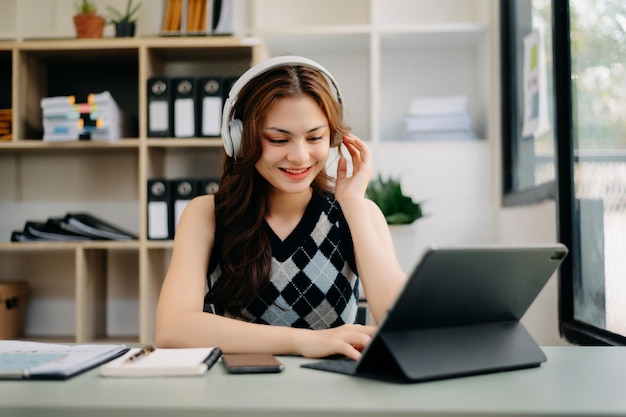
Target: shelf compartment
184	162
420	56
73	281
73	68
37	184
184	59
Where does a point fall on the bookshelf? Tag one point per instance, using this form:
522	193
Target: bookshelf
72	284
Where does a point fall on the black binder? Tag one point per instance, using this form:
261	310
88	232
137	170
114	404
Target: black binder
52	229
210	105
95	227
72	227
208	185
184	107
183	190
459	315
160	107
160	225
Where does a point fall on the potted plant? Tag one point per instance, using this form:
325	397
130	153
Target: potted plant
397	207
125	22
87	21
401	212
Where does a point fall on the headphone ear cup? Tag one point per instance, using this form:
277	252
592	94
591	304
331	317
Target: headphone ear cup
235	129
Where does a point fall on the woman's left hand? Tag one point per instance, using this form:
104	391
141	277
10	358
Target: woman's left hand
353	187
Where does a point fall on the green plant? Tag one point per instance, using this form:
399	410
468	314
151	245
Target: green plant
129	15
397	207
85	7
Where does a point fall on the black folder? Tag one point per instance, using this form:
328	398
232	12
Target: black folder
95	227
185	110
459	315
160	225
183	190
160	107
210	104
52	229
208	185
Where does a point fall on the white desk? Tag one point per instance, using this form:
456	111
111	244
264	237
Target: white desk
580	381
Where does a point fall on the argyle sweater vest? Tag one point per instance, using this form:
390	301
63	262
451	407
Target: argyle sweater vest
313	281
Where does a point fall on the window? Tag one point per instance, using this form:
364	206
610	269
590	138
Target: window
528	124
590	86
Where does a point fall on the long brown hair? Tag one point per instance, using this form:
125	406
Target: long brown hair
241	201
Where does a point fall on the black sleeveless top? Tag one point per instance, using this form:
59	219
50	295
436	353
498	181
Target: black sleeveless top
313	281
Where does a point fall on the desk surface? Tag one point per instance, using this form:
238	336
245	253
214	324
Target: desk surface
581	381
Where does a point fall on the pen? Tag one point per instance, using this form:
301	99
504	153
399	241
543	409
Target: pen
144	351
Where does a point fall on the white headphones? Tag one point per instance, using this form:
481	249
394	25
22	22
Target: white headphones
232	128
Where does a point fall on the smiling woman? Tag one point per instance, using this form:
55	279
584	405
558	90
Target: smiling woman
296	140
284	243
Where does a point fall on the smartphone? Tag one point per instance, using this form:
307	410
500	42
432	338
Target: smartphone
251	363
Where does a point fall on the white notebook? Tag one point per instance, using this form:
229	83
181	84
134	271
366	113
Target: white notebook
163	362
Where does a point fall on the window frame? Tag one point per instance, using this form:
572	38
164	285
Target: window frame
573	330
562	189
512	197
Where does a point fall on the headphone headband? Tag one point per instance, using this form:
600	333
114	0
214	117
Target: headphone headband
231	129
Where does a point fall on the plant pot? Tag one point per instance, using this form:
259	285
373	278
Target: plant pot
89	26
406	245
124	29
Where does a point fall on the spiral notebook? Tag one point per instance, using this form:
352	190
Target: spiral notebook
163	362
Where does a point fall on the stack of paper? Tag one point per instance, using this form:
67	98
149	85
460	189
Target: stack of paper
65	120
61	118
108	126
438	118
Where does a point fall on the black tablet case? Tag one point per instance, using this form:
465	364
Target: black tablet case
459	314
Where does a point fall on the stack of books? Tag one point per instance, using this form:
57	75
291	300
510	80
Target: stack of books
65	120
198	17
6	118
438	118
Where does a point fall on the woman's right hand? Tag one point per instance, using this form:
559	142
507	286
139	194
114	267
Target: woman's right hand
348	340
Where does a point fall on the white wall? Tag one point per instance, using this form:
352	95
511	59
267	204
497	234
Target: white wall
452	183
536	224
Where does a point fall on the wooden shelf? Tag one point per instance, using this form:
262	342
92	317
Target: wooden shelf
45	179
37	144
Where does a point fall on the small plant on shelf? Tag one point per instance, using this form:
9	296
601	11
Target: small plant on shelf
87	21
126	21
85	7
397	207
129	14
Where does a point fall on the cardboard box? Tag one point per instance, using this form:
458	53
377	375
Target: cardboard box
13	299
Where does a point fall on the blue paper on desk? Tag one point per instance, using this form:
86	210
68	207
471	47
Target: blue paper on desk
34	360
